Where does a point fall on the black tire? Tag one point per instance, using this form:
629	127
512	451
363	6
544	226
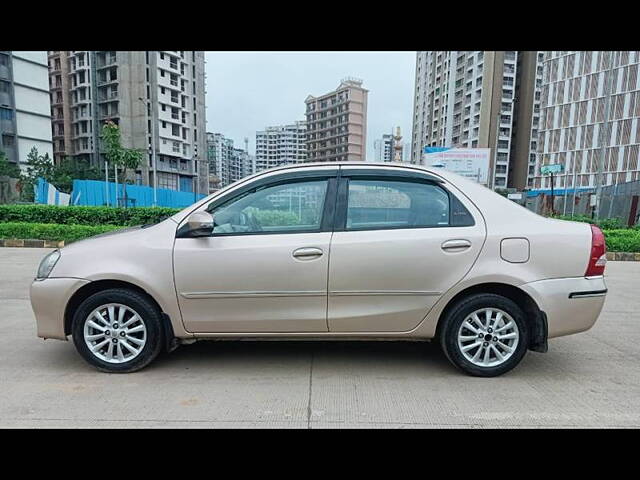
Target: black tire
147	311
451	324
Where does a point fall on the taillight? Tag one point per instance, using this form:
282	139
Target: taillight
598	257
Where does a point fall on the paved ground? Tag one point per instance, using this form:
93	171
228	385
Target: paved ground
587	380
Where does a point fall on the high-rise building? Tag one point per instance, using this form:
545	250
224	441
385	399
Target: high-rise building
227	163
155	97
281	145
337	123
60	91
468	99
25	117
590	100
383	148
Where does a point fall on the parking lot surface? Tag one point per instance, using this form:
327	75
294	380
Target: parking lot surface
587	380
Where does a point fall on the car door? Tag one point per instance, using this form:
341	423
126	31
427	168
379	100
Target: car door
265	267
400	243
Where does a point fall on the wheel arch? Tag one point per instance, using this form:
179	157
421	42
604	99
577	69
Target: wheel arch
536	318
99	285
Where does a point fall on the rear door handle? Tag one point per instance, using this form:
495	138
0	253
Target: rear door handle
457	245
307	253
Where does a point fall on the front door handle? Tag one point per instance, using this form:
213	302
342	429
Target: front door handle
457	245
307	253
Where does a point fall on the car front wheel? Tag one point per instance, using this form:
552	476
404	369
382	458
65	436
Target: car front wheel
117	330
485	335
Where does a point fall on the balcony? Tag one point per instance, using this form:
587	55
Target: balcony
105	61
109	113
105	77
108	97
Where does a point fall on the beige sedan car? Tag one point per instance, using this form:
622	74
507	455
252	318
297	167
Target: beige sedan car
337	251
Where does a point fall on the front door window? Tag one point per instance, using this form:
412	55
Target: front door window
285	208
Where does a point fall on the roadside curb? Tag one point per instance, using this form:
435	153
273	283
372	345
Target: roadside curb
28	243
623	257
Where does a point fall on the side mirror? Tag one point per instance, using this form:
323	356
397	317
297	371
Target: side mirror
198	224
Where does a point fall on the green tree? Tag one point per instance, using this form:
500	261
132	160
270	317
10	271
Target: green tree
128	159
9	169
38	166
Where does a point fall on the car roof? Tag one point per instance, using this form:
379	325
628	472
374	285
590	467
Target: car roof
353	163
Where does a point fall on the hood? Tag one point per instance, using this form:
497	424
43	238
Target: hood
120	236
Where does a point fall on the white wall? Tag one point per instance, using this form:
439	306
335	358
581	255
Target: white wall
32	100
33	126
34	56
30	74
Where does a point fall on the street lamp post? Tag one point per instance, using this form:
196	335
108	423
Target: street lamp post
153	151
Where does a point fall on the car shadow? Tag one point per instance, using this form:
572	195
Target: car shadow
327	353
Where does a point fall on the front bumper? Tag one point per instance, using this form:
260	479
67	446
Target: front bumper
572	305
49	298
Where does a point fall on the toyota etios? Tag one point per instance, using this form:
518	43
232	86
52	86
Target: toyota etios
330	251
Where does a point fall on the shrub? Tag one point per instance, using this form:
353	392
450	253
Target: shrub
622	240
603	223
45	231
77	215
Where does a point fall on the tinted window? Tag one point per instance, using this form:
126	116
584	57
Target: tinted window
376	204
460	216
281	208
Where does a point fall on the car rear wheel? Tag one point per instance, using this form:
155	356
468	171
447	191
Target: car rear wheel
485	335
117	330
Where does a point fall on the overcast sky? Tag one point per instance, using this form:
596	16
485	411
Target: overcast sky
247	91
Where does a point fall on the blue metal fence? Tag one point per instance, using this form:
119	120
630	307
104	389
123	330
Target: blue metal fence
96	193
47	194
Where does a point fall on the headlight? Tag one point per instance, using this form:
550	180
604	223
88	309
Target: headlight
47	264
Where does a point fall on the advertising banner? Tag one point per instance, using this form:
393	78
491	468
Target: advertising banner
472	163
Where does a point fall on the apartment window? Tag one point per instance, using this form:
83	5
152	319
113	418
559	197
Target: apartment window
6	114
161	56
164	124
161	73
175	130
8	141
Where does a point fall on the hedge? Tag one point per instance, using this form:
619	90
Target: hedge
603	223
74	215
622	240
48	231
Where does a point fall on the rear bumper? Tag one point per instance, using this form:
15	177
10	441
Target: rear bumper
49	298
572	305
